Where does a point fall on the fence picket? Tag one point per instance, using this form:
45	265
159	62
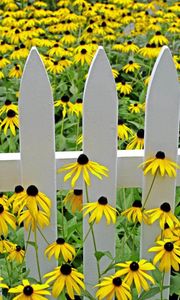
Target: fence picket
38	147
161	134
100	145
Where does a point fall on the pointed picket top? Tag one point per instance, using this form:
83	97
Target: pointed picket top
37	146
100	145
161	134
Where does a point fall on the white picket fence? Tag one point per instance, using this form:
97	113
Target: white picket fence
37	162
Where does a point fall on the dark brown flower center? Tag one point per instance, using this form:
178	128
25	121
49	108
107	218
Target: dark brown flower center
1	208
66	269
165	207
79	100
134	266
18	189
140	133
7	102
11	113
28	290
169	246
137	203
32	190
82	159
65	99
158	32
102	200
130	62
1	194
117	281
18	248
83	51
120	122
78	192
160	155
60	241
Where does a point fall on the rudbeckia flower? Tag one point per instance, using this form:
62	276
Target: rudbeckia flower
78	107
15	72
6	219
137	141
168	255
68	278
123	131
164	214
98	209
16	254
11	121
60	248
130	47
18	193
74	199
159	39
83	166
7	106
83	57
160	164
5	245
65	103
29	220
135	108
111	287
136	213
30	291
137	273
124	87
32	199
131	67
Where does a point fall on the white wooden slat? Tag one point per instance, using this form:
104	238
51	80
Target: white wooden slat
37	144
161	134
100	145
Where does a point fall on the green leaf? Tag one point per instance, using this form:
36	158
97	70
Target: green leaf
99	255
148	294
33	244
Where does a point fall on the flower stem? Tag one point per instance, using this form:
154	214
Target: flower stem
151	186
162	285
77	131
93	235
82	244
43	236
37	258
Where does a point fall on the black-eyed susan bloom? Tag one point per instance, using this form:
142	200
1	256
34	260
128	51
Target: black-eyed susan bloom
14	199
3	199
6	218
136	272
131	67
64	103
60	248
16	254
164	215
135	107
5	245
29	291
74	200
113	286
33	199
83	166
159	39
99	209
82	57
68	278
168	255
137	141
123	130
136	213
15	72
160	164
124	87
41	219
11	121
7	106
